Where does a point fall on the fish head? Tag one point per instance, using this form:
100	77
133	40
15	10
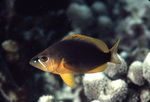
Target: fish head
43	62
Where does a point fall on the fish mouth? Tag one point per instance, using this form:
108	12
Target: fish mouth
31	62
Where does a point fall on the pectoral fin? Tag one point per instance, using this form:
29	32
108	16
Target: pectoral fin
68	79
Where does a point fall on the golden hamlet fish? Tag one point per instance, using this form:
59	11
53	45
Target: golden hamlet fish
76	54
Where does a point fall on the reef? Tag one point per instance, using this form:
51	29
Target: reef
27	27
100	87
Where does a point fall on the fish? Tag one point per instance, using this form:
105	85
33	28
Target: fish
76	54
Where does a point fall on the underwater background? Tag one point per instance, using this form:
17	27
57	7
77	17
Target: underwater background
27	27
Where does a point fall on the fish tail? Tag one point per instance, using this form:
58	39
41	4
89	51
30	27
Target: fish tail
114	56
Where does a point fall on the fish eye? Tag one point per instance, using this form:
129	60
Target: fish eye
44	58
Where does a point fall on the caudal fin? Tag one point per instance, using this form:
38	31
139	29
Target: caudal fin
114	55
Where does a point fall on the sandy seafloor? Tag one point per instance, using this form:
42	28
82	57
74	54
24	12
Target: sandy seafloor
27	27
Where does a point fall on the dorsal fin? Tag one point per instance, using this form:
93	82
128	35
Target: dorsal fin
100	44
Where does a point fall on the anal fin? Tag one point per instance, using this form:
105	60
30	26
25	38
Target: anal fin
98	69
68	79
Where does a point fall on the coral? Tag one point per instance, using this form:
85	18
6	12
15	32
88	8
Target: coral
145	95
134	27
80	15
93	84
46	98
50	82
135	10
124	54
99	8
95	101
9	91
146	68
117	90
67	92
104	23
138	54
116	70
97	86
135	73
10	46
132	96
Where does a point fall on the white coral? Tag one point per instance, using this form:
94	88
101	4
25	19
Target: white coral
46	98
116	91
99	87
80	15
93	84
116	70
146	68
99	8
135	73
